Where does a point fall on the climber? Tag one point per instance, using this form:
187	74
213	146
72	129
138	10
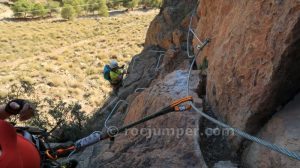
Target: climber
113	73
15	150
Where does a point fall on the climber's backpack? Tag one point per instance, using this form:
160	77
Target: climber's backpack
106	72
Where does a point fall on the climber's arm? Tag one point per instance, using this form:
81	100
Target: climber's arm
3	114
17	106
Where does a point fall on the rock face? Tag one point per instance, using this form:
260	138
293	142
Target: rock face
282	129
253	58
253	68
157	143
169	28
168	141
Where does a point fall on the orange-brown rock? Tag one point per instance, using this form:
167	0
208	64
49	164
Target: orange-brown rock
173	17
253	57
168	141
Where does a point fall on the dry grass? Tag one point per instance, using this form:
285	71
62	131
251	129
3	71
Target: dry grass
65	59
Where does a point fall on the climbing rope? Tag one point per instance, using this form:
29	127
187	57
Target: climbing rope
269	145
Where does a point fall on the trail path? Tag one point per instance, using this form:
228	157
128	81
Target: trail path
54	52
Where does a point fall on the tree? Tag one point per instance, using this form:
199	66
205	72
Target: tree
97	5
92	5
130	3
103	9
53	7
68	12
21	8
152	3
39	10
78	5
114	3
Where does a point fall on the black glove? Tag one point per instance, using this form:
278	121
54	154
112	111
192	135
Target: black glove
12	111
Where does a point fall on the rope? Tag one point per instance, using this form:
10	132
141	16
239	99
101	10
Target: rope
109	116
269	145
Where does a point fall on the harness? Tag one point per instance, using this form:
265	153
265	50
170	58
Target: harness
39	137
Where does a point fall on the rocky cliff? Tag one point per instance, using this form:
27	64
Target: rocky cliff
252	70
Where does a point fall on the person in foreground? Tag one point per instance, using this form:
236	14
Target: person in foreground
15	150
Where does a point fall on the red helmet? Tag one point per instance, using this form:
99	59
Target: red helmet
16	151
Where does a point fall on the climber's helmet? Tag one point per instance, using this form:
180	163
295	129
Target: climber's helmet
113	64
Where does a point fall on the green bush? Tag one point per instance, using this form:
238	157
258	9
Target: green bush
78	5
92	5
130	3
53	7
39	10
151	3
97	5
103	9
115	4
21	8
68	119
68	12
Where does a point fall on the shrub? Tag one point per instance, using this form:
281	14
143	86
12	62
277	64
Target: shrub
92	5
152	3
130	3
97	5
78	5
39	10
67	119
103	9
68	12
21	8
114	4
53	7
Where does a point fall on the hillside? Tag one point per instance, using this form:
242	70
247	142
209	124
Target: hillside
64	60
